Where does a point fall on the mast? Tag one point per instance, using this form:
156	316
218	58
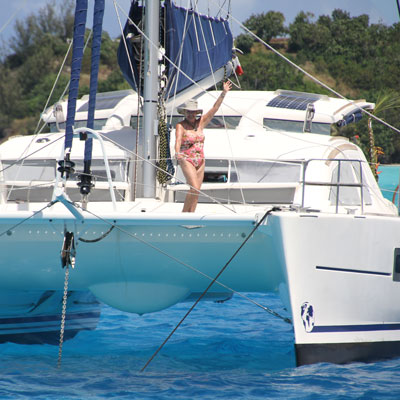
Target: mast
150	95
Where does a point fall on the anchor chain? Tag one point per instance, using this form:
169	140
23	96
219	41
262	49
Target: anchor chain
67	259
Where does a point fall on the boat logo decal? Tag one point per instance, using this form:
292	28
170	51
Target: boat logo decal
307	315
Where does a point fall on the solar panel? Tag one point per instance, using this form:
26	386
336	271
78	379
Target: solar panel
291	102
105	101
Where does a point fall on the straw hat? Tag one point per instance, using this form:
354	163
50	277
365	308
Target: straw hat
189	105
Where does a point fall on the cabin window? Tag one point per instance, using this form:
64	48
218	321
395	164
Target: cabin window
224	122
296	126
29	170
218	121
32	180
255	177
118	170
225	171
97	125
264	172
216	171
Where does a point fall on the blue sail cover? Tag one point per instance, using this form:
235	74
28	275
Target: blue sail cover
197	44
77	54
94	71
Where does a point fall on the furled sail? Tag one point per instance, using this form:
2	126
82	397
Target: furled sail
66	166
195	44
77	55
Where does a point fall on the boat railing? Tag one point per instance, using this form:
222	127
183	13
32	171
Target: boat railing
338	185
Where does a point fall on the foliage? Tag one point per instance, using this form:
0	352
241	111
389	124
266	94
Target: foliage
244	43
29	69
265	25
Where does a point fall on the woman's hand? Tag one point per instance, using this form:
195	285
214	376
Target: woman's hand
227	86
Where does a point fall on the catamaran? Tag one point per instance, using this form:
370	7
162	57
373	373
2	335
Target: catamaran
287	205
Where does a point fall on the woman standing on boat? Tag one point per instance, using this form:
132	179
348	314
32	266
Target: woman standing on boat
189	145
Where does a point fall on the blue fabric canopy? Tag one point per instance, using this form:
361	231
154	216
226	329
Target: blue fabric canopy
197	44
189	37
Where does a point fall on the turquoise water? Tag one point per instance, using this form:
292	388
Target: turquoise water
389	178
232	350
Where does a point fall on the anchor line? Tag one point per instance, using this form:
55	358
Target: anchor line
63	315
105	234
31	216
209	286
68	253
194	269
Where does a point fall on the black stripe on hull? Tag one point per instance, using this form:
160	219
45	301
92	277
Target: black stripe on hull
343	353
48	337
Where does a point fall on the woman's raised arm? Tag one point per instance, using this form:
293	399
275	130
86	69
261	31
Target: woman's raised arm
206	118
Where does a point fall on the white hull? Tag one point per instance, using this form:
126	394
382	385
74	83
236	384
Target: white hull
344	292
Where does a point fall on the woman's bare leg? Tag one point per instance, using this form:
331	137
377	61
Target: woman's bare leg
194	177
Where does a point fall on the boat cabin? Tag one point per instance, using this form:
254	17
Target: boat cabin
261	148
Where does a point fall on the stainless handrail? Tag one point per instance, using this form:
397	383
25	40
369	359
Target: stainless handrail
304	183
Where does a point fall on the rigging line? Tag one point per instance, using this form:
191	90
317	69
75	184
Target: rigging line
126	48
26	219
316	80
209	286
160	169
62	95
54	85
13	15
194	269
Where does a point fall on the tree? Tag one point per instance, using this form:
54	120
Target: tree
267	25
264	71
244	43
